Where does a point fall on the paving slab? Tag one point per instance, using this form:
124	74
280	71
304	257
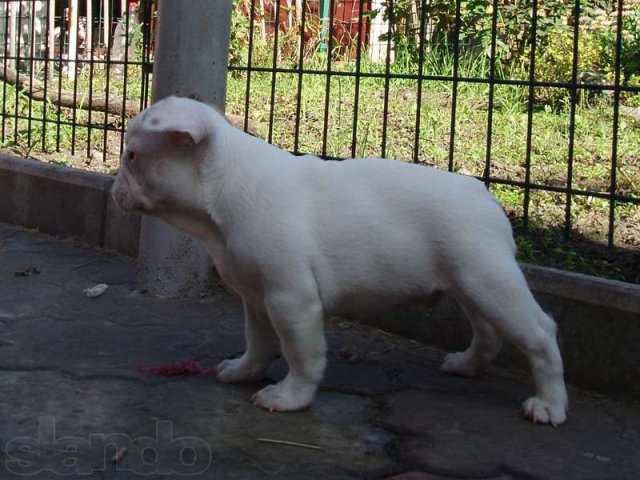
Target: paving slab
76	393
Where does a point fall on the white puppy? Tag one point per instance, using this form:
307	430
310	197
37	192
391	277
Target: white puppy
301	239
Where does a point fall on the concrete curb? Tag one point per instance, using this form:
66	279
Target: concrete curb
66	202
584	288
598	319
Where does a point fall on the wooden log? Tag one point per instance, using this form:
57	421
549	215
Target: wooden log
36	91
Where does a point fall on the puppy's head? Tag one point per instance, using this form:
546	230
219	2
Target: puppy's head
160	168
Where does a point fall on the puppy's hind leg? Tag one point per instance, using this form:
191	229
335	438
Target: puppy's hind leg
485	345
261	348
501	296
550	404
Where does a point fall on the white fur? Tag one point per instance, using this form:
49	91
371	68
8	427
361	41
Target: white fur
301	239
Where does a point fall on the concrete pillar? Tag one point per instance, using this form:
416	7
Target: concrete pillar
192	45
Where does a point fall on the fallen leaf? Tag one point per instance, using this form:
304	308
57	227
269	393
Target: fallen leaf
28	272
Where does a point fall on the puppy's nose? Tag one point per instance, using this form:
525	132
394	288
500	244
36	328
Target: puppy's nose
119	194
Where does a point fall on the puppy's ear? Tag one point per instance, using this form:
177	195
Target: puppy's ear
179	126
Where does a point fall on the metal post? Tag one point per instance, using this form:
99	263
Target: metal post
88	41
106	29
51	31
72	53
324	19
192	45
11	34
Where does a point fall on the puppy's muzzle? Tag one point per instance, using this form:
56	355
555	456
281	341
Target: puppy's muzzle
122	193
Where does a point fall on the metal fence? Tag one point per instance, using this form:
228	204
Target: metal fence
73	72
539	100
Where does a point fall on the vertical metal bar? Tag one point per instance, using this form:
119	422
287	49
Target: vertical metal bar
454	88
247	94
72	54
31	62
303	16
416	143
106	31
17	60
63	31
492	73
5	61
51	34
73	66
107	68
325	131
48	51
326	11
143	7
616	127
356	100
151	44
146	52
100	24
12	33
88	41
91	74
125	77
530	104
572	120
274	66
387	79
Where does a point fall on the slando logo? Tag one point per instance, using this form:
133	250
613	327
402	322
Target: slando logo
162	455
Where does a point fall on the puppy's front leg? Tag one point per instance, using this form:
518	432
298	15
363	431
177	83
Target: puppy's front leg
298	320
261	348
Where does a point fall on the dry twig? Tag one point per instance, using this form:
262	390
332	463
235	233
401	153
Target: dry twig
293	444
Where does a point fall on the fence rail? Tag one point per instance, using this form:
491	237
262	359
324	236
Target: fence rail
541	101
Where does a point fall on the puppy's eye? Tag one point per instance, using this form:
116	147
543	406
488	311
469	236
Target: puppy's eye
129	158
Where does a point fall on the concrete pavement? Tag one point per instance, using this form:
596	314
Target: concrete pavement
75	392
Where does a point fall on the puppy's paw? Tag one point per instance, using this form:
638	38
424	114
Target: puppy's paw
238	370
282	398
541	411
460	363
